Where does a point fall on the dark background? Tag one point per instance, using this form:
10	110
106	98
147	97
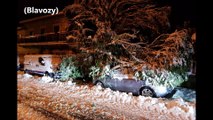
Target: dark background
39	4
182	10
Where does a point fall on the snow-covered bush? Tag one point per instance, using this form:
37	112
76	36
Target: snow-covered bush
95	71
69	70
163	77
100	73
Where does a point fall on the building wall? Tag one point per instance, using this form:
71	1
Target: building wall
46	23
35	25
21	33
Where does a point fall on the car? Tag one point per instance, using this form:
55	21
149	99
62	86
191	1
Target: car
134	86
42	64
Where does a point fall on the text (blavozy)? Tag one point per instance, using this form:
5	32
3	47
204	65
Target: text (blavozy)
33	10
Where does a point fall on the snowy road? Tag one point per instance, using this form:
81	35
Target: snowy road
38	100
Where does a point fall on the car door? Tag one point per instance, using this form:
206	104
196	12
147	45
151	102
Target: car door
111	83
129	85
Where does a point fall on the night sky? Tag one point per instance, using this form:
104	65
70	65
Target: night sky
181	9
39	4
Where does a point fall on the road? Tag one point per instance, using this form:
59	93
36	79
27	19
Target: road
38	100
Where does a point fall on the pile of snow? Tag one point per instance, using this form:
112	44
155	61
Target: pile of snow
95	102
27	76
185	94
160	90
70	83
46	79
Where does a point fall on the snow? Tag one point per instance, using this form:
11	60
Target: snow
67	100
46	79
160	90
186	94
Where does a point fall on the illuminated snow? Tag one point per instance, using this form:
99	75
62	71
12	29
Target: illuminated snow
93	102
160	90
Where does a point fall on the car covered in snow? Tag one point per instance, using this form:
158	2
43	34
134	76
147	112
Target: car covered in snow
42	64
134	86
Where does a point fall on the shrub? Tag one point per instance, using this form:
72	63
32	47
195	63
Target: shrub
68	70
163	77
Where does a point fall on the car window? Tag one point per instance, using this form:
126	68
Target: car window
41	61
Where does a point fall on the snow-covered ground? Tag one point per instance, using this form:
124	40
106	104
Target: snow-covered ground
40	99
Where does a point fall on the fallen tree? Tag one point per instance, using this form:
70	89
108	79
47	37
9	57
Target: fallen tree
130	36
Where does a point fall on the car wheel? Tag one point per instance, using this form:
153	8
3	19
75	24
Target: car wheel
46	74
51	75
25	71
147	92
98	83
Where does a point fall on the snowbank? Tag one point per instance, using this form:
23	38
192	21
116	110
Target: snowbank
71	100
